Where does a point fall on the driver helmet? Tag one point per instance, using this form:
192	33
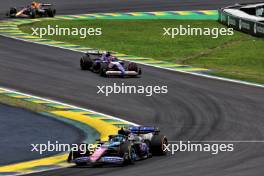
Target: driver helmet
131	137
108	54
113	58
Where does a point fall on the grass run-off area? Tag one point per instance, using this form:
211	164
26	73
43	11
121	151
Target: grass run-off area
239	56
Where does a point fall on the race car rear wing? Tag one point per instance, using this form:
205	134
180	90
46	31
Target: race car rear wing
46	4
143	130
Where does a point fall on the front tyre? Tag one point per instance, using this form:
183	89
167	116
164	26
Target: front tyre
132	67
12	12
77	154
128	152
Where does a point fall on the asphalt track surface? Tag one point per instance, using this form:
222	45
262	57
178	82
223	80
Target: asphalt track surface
92	6
21	128
194	109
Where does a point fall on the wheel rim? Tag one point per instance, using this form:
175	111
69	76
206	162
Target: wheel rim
164	142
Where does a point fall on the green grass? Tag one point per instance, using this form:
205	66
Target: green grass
239	56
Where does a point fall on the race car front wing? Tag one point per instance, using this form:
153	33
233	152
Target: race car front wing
105	159
119	73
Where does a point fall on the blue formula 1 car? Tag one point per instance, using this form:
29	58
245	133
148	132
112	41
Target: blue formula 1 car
107	65
126	147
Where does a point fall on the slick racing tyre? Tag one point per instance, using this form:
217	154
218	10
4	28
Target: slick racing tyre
50	12
33	13
103	69
86	63
77	154
96	67
128	153
149	152
157	144
12	12
133	67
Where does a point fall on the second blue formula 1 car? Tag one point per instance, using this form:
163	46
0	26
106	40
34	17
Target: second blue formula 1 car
124	148
107	65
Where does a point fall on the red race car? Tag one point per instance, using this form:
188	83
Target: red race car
32	11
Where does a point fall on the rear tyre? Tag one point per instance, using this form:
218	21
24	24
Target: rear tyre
103	69
86	63
54	12
50	12
157	144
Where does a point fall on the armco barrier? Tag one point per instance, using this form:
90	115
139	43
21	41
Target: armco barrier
242	24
